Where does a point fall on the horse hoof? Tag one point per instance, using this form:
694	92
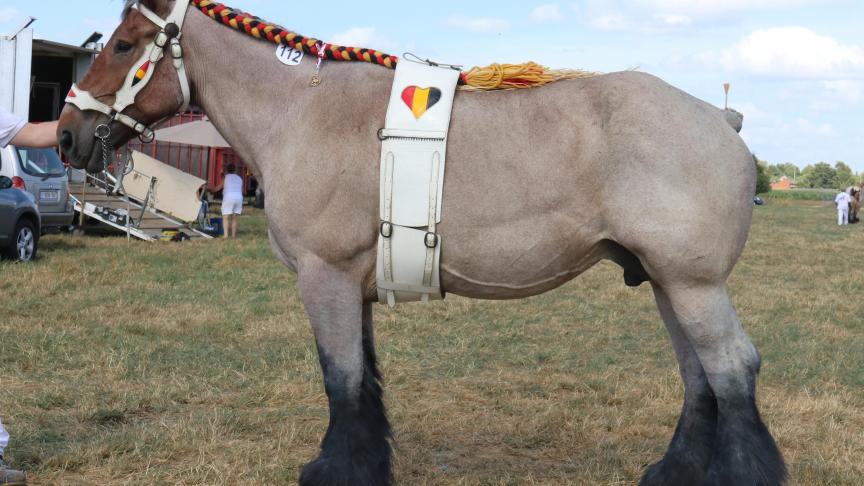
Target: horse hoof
332	472
768	470
318	473
671	473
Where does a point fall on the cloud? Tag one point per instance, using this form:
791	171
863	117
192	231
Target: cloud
483	25
845	90
369	38
789	53
838	96
752	112
673	20
624	15
718	7
9	13
611	22
664	16
356	36
550	12
800	140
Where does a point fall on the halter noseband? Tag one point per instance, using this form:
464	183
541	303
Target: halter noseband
142	71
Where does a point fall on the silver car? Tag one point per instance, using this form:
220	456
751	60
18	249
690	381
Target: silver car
19	222
41	173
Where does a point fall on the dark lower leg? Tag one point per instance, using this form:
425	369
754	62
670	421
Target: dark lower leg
744	451
689	453
356	448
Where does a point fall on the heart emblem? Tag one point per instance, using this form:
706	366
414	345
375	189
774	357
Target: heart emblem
419	100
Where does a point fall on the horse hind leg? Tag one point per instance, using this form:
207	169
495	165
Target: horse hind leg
744	452
689	453
356	448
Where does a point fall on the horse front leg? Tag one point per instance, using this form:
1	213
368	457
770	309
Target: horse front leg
356	448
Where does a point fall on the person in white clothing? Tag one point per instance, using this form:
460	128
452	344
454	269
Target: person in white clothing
842	201
16	130
232	200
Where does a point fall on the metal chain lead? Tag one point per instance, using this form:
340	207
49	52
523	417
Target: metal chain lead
103	132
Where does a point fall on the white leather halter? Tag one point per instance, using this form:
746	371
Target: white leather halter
142	71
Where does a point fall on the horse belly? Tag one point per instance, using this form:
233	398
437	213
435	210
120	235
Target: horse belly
524	258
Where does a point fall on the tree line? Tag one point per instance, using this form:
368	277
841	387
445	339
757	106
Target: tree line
816	176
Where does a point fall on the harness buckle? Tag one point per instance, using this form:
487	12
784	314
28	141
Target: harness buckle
176	50
161	40
386	229
431	240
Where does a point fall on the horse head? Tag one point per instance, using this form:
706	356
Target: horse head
136	81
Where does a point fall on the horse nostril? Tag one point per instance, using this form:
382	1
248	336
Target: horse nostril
66	140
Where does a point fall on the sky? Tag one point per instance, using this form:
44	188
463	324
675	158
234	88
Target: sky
796	66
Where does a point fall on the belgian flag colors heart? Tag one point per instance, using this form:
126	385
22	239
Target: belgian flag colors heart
420	99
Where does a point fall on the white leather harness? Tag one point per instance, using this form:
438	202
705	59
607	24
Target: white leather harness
141	73
414	143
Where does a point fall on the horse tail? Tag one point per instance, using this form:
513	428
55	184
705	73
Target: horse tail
734	118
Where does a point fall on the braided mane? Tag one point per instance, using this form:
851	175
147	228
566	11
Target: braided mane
492	77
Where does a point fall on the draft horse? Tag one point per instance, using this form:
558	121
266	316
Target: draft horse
541	184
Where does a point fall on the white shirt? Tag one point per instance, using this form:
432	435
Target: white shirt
10	125
233	188
842	200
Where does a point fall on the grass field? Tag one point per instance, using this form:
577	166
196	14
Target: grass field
193	363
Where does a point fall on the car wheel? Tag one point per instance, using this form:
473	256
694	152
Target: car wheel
24	243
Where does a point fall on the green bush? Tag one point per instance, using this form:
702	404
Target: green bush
801	195
763	180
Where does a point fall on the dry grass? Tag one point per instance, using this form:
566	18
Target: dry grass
193	364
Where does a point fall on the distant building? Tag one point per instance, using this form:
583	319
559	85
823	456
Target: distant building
784	184
38	73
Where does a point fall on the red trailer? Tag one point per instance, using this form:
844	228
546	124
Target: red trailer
204	162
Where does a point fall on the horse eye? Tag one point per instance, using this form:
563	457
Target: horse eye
122	47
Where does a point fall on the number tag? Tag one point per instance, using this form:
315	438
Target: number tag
288	55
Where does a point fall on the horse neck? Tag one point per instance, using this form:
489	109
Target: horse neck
256	102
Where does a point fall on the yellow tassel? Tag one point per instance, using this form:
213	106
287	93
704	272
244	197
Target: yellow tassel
515	76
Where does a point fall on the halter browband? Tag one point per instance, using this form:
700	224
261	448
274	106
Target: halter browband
142	71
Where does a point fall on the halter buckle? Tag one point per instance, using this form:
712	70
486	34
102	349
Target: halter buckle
161	40
147	136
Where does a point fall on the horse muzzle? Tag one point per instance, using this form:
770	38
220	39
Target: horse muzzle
78	139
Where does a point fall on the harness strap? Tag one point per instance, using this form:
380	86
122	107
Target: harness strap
431	239
413	148
387	226
151	15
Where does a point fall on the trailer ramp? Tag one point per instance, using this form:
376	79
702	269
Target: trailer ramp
134	212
